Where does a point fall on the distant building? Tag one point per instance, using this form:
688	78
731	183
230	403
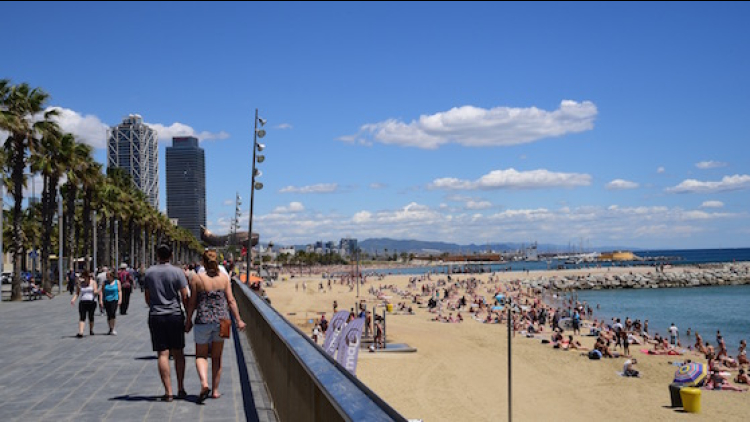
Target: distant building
348	246
186	184
132	146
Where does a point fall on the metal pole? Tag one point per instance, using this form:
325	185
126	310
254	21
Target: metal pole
252	200
117	244
384	337
33	247
510	327
60	242
94	267
357	275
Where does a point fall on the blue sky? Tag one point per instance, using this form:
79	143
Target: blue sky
607	123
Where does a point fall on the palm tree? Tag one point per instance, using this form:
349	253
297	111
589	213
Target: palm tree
49	161
91	180
19	107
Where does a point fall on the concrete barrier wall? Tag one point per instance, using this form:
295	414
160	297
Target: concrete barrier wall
305	384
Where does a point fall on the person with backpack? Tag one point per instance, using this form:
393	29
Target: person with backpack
126	280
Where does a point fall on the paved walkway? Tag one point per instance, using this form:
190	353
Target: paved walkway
47	374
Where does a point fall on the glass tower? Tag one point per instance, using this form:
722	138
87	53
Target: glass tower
133	146
186	184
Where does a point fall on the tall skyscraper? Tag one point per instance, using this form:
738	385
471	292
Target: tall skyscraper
186	184
132	145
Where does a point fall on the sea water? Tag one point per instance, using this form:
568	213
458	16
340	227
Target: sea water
702	309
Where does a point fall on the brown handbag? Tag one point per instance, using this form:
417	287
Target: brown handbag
225	326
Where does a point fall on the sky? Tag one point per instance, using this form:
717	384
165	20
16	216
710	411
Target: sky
586	123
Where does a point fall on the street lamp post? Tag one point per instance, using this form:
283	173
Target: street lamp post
258	133
60	240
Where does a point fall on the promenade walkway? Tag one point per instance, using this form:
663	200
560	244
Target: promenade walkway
47	374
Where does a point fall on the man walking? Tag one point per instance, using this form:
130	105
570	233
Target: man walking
126	283
165	292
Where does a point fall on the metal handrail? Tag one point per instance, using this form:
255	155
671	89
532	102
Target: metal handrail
352	399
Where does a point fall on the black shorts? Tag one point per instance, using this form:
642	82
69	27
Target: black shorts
86	307
111	308
167	332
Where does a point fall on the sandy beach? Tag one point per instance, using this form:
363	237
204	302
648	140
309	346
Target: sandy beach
459	372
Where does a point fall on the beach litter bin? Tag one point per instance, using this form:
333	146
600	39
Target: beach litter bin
691	399
674	394
389	307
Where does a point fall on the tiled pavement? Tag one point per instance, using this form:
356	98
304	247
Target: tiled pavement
47	374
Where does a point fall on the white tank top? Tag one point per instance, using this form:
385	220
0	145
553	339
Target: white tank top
87	293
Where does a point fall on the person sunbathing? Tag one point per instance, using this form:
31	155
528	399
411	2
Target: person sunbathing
575	344
742	378
721	383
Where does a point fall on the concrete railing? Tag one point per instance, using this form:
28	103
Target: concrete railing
305	383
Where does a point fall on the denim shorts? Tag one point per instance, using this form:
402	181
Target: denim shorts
206	333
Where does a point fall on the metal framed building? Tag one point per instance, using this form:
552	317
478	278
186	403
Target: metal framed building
133	146
186	184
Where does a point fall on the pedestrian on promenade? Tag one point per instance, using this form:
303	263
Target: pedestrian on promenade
86	291
111	296
101	280
211	301
126	279
165	292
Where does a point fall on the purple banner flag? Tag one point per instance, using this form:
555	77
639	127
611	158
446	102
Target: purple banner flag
334	329
349	345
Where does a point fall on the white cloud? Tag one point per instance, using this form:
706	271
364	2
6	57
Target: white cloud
166	133
478	205
284	126
727	183
228	202
620	184
513	179
712	204
661	170
293	207
705	165
614	225
90	130
377	186
319	188
87	129
478	127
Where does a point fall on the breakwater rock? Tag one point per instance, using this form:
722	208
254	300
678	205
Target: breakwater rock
716	275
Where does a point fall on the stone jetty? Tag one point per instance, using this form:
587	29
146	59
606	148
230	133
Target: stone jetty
693	276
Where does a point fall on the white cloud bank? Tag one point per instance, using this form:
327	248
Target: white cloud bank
727	183
478	127
705	165
293	207
620	184
634	226
513	179
319	188
712	204
90	130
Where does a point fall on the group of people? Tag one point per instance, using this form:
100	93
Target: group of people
110	290
179	302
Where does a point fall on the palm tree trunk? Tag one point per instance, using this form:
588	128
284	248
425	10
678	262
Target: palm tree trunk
71	199
17	177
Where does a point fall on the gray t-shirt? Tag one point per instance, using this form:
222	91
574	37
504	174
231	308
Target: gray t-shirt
164	282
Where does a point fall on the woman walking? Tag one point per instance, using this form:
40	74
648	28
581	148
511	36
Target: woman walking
111	297
211	301
87	291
